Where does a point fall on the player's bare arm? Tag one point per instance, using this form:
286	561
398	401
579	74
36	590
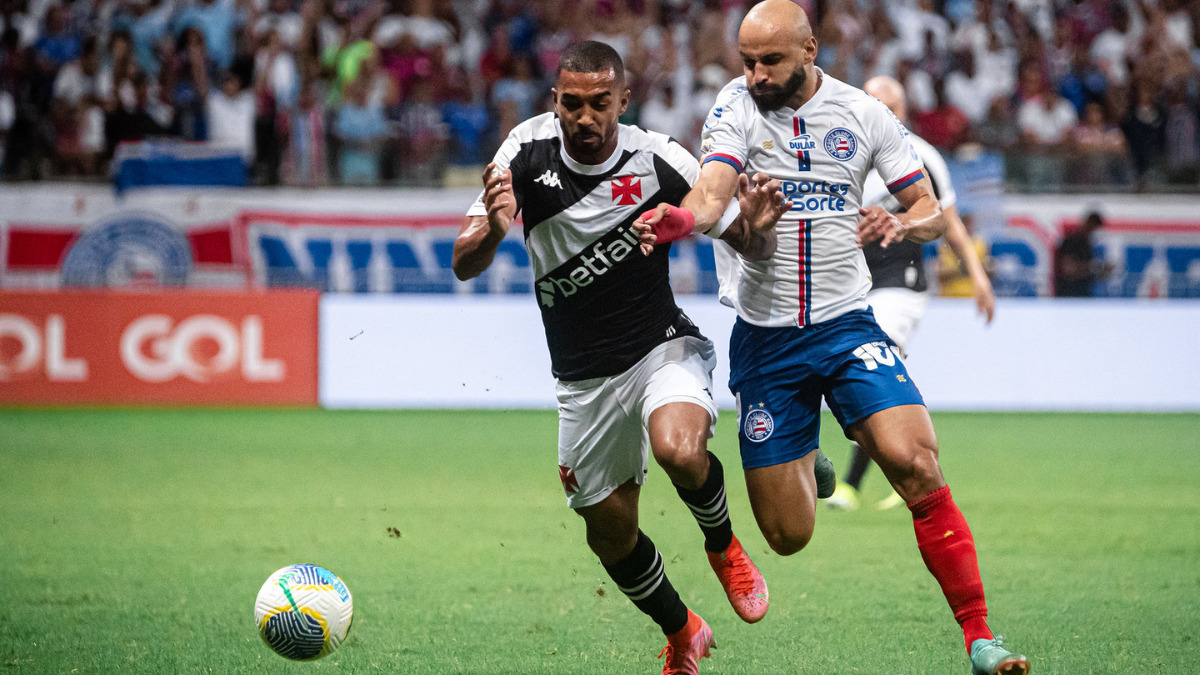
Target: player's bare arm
923	220
959	241
752	234
710	196
480	236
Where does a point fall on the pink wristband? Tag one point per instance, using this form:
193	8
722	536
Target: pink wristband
675	225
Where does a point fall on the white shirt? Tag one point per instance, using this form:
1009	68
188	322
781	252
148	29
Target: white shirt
231	121
1110	49
875	192
972	95
72	84
1047	126
821	154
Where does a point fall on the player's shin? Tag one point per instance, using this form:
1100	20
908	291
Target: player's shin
859	463
642	578
948	549
707	504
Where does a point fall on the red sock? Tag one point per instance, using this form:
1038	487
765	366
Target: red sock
948	549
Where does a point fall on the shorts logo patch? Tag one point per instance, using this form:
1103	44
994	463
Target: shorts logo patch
569	481
758	425
875	354
840	144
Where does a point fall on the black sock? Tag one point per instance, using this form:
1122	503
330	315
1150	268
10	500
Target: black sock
640	575
707	504
859	461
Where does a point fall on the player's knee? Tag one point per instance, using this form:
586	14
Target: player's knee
682	460
612	542
788	540
920	473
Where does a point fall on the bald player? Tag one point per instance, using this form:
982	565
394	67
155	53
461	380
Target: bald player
804	329
899	292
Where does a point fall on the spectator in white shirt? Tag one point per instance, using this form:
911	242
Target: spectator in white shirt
912	24
77	112
231	117
1046	120
1113	47
968	89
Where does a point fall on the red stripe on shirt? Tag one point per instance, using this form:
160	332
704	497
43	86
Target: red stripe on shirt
899	185
720	156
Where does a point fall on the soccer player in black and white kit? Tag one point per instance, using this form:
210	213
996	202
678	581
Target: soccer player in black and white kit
631	367
899	290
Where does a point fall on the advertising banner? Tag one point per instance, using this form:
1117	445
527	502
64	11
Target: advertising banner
411	351
402	241
172	347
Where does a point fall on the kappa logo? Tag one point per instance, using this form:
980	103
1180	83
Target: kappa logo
549	179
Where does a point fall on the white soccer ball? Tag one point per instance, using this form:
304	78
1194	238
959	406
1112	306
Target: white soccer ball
303	612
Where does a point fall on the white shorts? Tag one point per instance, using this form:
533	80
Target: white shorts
898	311
602	437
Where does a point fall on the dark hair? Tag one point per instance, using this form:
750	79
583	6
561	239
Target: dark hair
591	57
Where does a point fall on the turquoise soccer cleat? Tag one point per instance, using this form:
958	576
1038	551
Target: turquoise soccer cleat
989	657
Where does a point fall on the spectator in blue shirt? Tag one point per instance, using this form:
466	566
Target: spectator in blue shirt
361	128
218	20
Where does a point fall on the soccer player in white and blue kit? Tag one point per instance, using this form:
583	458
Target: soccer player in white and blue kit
804	329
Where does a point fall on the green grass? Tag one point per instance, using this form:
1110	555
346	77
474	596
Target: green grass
135	541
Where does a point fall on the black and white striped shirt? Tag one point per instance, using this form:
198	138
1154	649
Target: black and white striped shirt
604	305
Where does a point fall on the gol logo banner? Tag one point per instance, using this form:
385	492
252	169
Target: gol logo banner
169	347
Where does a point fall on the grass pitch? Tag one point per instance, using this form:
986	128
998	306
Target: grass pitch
135	541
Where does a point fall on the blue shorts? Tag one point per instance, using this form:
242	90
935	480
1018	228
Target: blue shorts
778	376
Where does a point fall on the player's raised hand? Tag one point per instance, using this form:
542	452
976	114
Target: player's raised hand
498	197
877	224
761	201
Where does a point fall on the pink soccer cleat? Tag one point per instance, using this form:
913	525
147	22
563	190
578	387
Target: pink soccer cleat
744	584
685	648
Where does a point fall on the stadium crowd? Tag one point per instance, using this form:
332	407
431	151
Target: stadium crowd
314	92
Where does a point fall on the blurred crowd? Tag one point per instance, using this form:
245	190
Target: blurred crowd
366	92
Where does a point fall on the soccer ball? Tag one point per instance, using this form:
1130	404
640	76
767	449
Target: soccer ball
303	612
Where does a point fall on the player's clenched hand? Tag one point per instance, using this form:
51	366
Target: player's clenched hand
643	227
498	197
877	224
666	222
761	201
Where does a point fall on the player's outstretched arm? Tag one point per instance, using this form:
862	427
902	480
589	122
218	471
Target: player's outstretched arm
700	211
760	204
480	236
959	241
923	220
710	196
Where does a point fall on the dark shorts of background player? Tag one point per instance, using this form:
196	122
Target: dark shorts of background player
778	376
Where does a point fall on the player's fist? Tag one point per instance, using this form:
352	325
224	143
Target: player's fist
877	224
498	197
664	223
